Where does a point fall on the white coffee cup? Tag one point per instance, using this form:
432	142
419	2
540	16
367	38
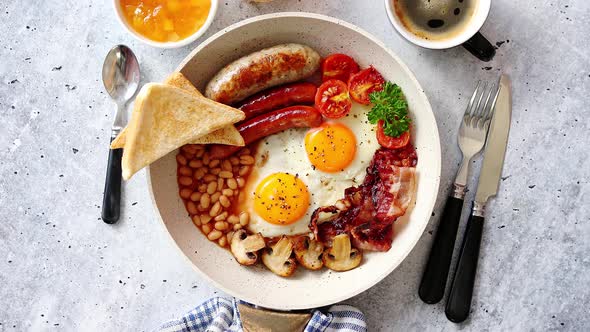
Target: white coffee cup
468	35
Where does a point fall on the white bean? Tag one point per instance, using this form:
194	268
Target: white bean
211	187
205	200
215	197
215	210
226	165
209	178
246	160
224	201
222	241
221	217
205	218
186	171
244	170
191	207
196	220
225	174
214	235
232	183
185	181
181	159
196	196
244	218
221	226
233	219
195	163
185	193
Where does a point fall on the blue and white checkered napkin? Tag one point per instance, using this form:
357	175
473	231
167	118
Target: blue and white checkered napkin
220	315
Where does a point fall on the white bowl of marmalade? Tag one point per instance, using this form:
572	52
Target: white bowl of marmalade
166	23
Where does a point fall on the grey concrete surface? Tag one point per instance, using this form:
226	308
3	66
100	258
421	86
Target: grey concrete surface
62	268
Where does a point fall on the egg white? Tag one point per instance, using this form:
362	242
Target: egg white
285	152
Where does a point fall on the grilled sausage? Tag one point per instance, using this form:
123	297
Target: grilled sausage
268	124
261	70
275	98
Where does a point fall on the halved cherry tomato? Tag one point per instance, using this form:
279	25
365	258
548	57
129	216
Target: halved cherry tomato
391	142
361	84
338	67
332	99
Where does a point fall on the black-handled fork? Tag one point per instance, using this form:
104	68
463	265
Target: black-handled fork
471	139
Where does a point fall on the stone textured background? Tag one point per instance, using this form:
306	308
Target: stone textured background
62	268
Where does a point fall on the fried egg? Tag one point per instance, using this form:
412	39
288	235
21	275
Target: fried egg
299	170
330	147
281	199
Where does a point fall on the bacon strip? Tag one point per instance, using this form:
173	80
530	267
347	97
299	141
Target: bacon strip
396	192
372	208
372	236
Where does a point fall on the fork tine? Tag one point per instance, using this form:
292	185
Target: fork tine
490	110
479	107
485	107
469	108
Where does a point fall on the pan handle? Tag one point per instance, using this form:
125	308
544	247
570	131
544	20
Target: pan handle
256	319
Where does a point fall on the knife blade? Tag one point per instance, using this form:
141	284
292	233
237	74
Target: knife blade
493	160
459	300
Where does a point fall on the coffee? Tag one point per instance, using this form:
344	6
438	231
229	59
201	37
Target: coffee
435	19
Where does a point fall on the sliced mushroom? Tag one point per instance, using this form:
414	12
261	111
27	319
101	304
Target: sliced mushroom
278	258
341	256
244	246
309	252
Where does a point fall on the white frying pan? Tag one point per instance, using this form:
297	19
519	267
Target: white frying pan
305	289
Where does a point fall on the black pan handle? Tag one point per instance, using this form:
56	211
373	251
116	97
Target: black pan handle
434	279
479	46
111	201
459	300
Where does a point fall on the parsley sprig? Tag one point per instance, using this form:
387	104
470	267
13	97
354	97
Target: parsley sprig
390	106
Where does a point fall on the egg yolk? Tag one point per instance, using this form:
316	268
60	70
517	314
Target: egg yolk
330	147
166	20
281	199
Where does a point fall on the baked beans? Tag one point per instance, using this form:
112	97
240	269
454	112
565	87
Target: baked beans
209	187
181	159
185	181
185	193
186	171
195	196
215	197
191	207
232	183
214	235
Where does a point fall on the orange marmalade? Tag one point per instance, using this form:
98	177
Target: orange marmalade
166	20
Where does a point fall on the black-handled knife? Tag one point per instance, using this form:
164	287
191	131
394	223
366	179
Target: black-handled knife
459	300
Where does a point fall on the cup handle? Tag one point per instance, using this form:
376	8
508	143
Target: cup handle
479	46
